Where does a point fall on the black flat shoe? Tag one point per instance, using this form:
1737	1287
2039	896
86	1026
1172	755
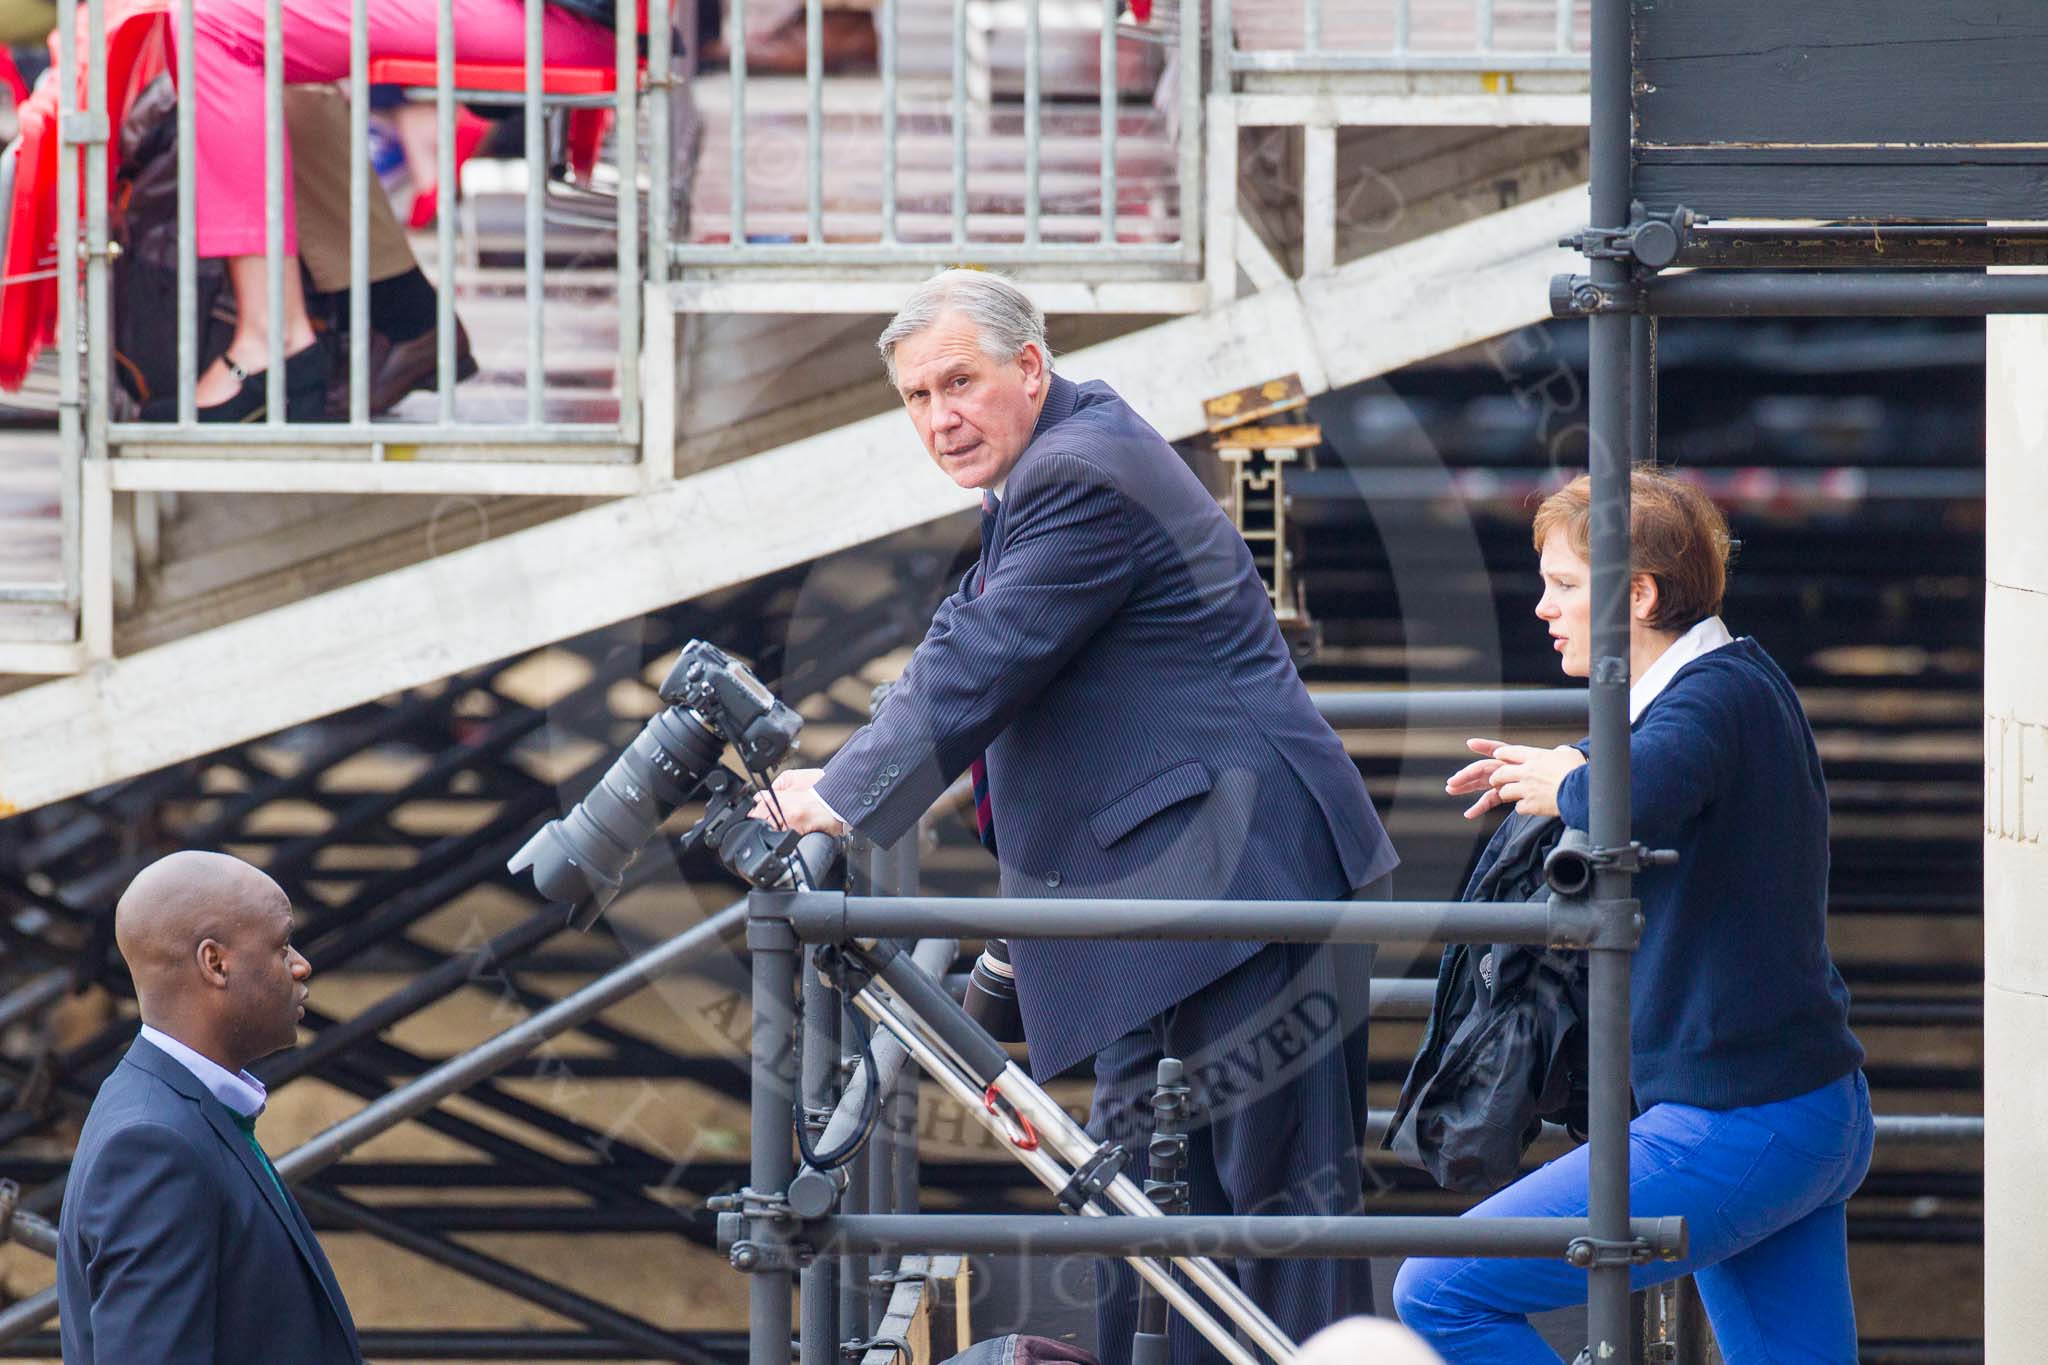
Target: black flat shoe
305	387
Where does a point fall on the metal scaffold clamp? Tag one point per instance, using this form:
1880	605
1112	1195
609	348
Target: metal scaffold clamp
1651	240
753	1230
1569	869
1598	1253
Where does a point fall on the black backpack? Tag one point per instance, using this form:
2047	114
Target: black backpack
143	222
1505	1048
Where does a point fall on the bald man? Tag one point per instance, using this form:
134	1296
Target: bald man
178	1243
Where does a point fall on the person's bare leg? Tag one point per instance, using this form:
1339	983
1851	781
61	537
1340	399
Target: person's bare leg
419	133
250	346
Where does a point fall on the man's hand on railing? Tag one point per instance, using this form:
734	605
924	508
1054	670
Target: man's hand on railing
802	809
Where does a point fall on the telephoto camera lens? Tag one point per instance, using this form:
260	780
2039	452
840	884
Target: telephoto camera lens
991	999
582	857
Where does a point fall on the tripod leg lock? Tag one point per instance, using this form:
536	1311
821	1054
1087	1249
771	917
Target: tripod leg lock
1103	1165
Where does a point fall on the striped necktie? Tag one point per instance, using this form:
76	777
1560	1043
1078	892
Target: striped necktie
984	813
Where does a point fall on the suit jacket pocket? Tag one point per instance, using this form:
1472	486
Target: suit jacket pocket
1183	782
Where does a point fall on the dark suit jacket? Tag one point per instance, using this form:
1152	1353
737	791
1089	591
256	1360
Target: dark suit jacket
1147	733
175	1248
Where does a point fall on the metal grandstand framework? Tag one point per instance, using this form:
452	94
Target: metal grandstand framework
473	739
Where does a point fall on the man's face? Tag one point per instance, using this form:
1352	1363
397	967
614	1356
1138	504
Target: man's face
267	980
973	414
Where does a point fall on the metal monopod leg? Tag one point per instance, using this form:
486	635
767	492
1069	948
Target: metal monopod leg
974	1069
1165	1188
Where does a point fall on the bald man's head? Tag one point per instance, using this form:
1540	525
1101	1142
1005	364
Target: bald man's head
207	939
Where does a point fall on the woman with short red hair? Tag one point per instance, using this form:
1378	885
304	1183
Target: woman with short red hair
1754	1120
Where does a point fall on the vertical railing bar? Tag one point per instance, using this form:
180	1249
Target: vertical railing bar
1564	25
959	121
1034	66
814	115
444	206
1188	201
188	231
98	330
536	231
1401	25
660	183
274	395
1484	24
70	432
627	55
889	58
736	71
1107	59
358	211
1312	26
1222	47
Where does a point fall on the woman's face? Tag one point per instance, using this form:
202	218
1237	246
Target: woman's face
1567	604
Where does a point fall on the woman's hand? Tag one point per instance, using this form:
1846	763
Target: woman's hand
1513	775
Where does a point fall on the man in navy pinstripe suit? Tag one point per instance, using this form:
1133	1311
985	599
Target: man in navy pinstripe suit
1114	658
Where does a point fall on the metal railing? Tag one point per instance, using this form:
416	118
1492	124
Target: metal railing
788	1207
86	411
995	238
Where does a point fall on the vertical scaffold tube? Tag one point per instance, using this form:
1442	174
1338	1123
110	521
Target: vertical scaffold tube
1609	374
818	1287
773	950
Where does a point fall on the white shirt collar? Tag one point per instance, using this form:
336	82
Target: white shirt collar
1704	638
238	1090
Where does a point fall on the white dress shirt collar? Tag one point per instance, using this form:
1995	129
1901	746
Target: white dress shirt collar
1704	638
238	1090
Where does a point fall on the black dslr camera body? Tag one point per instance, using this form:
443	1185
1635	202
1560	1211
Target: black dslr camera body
713	700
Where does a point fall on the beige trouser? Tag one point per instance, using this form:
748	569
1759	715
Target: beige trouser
316	116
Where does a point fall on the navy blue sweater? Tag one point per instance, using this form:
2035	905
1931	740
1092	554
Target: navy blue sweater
1734	999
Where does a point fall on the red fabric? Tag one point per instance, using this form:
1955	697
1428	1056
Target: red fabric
137	48
10	75
28	306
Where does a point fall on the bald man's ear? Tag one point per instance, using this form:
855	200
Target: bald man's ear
213	962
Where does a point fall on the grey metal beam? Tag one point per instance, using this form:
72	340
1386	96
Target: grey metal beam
1902	293
1220	1235
830	917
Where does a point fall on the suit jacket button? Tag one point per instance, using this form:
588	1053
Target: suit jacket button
1052	879
867	800
891	771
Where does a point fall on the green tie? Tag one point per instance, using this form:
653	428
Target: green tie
247	1123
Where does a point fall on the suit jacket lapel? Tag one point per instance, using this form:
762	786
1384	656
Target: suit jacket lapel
166	1069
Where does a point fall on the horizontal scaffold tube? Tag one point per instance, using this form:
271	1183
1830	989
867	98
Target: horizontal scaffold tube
1221	1235
830	917
1453	709
1848	294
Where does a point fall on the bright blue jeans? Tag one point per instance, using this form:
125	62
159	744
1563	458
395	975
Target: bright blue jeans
1763	1193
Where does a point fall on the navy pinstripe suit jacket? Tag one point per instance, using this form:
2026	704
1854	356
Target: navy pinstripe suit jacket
1147	734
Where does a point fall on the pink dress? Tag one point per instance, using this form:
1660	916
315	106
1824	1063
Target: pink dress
227	59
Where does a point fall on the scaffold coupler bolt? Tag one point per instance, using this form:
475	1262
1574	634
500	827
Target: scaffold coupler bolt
754	1231
1597	1253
